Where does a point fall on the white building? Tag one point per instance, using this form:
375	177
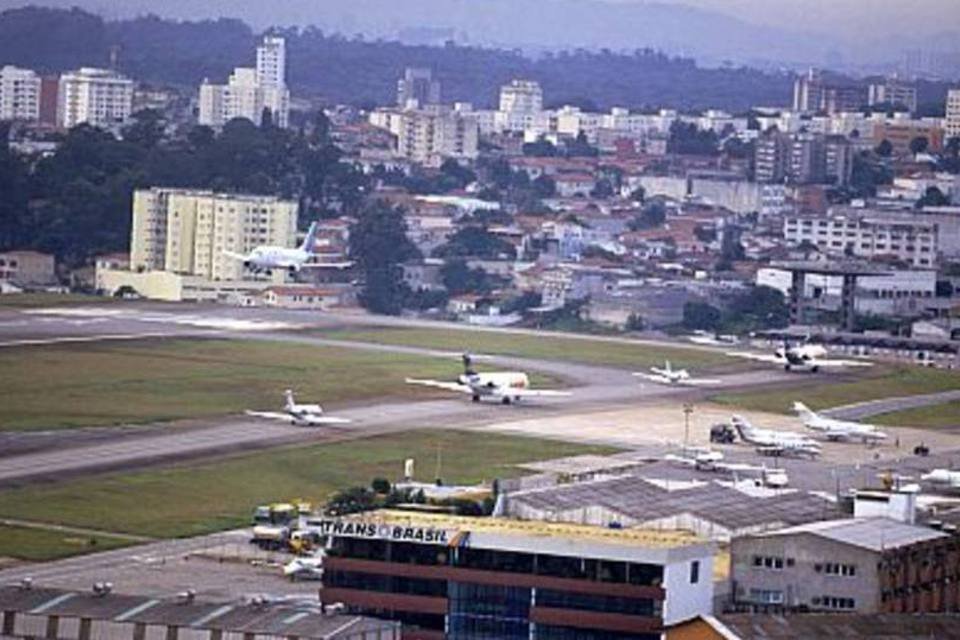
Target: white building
250	90
431	135
186	232
951	125
521	96
19	94
98	97
868	234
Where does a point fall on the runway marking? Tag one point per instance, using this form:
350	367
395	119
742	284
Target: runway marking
31	342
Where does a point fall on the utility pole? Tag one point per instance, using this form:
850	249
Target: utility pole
687	410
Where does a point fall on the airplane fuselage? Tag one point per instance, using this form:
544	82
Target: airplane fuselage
496	383
268	258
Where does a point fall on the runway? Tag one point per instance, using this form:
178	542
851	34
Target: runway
58	455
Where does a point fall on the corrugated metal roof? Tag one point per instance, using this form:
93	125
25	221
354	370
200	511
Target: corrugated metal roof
875	534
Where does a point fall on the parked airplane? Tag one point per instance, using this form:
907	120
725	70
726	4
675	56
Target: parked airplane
669	375
774	442
834	429
310	415
709	460
803	357
712	339
267	258
943	476
505	386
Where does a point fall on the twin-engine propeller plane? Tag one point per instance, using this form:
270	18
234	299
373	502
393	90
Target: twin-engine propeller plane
505	386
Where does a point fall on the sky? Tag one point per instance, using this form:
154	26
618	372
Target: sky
843	18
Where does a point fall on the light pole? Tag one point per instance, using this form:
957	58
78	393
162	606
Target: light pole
687	410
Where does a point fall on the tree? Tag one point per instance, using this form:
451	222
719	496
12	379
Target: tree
918	145
635	322
379	246
602	189
884	149
544	187
932	197
380	485
701	316
653	215
542	148
475	242
688	139
638	195
759	308
459	278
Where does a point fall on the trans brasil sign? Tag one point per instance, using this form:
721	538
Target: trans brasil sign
379	531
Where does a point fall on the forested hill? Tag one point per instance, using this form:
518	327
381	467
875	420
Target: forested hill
353	70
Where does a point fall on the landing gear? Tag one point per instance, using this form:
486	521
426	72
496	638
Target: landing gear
476	398
815	369
786	367
506	400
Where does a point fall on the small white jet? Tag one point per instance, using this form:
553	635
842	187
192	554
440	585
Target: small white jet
708	338
307	568
304	415
669	375
834	429
804	357
772	442
712	461
944	477
267	258
505	386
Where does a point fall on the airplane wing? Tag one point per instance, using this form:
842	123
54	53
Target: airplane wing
438	384
270	415
699	381
327	265
531	393
758	357
234	255
320	420
652	377
840	363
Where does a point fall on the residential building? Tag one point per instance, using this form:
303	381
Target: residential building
19	94
461	577
951	124
862	565
893	91
838	159
802	158
430	136
521	96
49	100
98	97
186	232
818	91
301	297
865	233
250	91
417	86
900	132
26	268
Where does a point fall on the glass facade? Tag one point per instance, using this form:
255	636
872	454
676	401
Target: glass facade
602	604
549	632
488	612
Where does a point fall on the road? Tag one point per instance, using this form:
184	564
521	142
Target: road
862	410
57	455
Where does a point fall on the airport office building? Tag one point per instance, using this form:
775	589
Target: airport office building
456	577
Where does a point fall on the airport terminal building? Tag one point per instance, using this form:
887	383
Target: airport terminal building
456	577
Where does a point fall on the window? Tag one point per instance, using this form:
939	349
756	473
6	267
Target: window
695	572
766	596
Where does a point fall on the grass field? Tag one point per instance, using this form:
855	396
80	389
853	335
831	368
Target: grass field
205	497
880	382
937	416
584	350
38	545
61	386
35	300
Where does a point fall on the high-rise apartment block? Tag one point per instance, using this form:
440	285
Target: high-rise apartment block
817	91
250	92
417	86
521	96
803	158
951	124
433	134
893	91
19	94
186	231
98	97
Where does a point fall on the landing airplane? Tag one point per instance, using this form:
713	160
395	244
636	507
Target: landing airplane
306	415
833	429
769	441
804	357
505	386
266	258
669	375
943	476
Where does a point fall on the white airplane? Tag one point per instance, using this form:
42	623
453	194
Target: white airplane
505	386
773	442
834	429
267	258
310	415
804	357
669	375
943	476
709	338
708	460
307	568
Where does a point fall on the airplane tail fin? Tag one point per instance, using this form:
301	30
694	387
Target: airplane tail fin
803	411
310	241
669	369
743	428
288	394
468	365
